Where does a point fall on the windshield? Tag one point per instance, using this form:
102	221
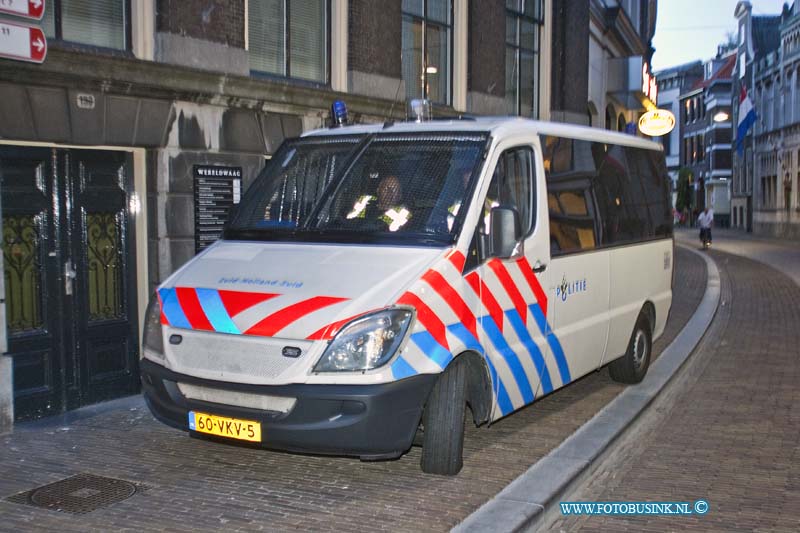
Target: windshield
384	188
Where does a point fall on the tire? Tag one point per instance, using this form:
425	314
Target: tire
443	423
632	367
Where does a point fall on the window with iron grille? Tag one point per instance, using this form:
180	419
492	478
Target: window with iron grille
427	38
101	23
289	38
524	20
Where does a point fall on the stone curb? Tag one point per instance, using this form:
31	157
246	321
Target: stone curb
523	504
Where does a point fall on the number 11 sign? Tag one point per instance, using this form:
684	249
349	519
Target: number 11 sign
23	43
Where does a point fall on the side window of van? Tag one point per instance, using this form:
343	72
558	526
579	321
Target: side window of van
603	194
569	170
511	186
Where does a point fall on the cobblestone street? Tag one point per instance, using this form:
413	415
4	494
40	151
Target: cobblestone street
201	485
731	435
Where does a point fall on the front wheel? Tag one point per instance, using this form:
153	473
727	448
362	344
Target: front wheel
632	367
443	423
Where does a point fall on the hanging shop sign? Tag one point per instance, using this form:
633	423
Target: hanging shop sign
657	122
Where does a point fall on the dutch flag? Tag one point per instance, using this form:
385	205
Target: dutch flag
747	117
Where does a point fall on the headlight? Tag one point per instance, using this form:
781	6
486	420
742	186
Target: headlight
366	343
152	339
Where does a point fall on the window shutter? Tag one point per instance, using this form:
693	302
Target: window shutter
308	39
266	36
94	22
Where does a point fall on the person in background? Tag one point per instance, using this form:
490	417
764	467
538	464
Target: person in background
705	220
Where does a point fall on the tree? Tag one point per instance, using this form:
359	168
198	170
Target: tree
684	189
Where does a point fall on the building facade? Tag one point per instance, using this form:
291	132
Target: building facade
767	167
143	107
599	82
672	83
705	148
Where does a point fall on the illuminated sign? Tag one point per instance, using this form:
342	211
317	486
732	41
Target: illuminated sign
649	85
657	122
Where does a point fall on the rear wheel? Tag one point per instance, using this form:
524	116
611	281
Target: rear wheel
632	367
443	423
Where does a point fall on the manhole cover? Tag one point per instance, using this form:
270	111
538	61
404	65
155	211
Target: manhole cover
78	494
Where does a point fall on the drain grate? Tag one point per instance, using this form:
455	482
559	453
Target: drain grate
79	494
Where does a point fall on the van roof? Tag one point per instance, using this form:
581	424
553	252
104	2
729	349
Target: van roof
497	127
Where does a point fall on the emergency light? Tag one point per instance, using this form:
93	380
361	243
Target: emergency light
339	113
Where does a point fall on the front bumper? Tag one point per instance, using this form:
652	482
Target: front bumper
368	421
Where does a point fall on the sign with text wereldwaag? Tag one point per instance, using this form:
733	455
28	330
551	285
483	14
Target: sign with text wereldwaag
23	43
216	190
657	122
30	9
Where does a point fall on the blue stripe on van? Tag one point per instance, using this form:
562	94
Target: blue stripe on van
536	355
503	401
435	351
215	311
471	343
510	357
555	345
401	369
171	308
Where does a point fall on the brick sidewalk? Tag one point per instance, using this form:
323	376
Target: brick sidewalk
193	484
732	434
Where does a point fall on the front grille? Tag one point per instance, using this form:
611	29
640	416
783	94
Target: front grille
263	402
233	358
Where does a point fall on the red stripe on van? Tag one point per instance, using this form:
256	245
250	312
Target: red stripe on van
458	260
511	288
487	298
187	298
453	299
427	318
236	301
164	320
329	331
536	287
278	320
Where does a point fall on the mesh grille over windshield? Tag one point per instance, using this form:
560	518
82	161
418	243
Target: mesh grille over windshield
381	187
293	182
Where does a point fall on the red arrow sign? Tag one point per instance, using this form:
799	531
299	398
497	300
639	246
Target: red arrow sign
22	43
33	9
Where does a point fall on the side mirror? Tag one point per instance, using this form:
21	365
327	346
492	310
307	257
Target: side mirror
505	231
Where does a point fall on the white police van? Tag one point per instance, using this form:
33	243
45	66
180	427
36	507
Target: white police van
377	280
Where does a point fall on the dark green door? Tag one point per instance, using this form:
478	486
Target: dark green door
70	277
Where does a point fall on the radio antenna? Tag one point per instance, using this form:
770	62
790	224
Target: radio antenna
390	118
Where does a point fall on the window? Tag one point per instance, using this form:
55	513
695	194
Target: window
390	189
666	140
604	195
426	49
102	23
511	186
701	147
523	29
289	38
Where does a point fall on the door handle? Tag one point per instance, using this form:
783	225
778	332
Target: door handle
539	267
69	276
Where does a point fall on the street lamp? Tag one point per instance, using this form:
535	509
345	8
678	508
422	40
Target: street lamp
721	116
